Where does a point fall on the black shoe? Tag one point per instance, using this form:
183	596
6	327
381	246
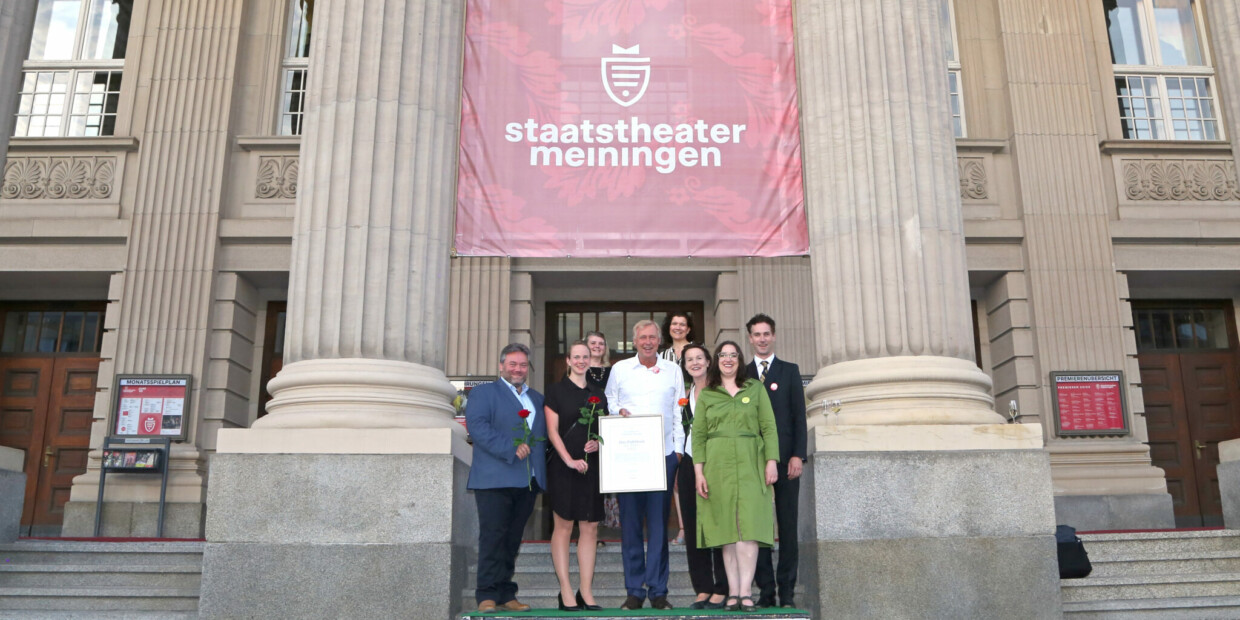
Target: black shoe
660	602
720	605
698	604
632	602
732	604
581	602
750	607
560	599
767	601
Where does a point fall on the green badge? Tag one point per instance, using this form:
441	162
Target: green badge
745	400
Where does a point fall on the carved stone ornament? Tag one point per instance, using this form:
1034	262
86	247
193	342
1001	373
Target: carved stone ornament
58	178
1181	180
973	181
277	178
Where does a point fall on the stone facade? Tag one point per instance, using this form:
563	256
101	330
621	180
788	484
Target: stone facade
184	222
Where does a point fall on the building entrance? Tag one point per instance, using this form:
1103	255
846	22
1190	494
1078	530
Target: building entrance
49	366
1188	357
567	322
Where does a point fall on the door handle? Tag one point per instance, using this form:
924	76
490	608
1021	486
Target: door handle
1198	446
47	456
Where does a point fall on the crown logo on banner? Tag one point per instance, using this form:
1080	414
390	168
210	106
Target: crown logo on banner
626	74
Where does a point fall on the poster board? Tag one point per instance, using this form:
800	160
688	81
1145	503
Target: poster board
1089	403
463	385
151	406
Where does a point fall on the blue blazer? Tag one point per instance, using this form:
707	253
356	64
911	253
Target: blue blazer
491	416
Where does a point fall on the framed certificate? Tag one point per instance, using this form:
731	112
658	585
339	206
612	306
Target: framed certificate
632	458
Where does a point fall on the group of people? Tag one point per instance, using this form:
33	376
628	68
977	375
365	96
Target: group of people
735	438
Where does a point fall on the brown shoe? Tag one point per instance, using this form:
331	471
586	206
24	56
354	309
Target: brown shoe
515	605
487	606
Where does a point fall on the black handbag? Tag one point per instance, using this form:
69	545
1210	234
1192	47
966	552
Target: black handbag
1073	560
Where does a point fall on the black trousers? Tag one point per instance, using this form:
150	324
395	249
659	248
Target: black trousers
705	565
502	514
787	494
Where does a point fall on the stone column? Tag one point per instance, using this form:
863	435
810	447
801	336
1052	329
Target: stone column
358	463
1224	23
902	482
895	339
16	26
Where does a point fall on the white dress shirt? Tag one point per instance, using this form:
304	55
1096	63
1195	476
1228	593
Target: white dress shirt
692	412
523	395
649	391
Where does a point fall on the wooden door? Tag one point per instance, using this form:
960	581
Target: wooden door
46	408
1211	395
66	438
25	388
1166	419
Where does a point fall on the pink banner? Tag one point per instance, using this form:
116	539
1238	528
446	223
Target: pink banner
630	128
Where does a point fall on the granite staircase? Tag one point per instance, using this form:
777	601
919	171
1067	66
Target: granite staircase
69	579
1185	574
539	588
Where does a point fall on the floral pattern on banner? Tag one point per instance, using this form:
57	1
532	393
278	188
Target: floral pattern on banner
587	18
534	182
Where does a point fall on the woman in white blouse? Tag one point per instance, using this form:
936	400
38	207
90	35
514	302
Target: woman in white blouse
706	570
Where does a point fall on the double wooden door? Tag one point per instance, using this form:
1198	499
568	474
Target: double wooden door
46	409
1192	402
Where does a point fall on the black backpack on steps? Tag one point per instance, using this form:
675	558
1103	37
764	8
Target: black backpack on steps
1073	561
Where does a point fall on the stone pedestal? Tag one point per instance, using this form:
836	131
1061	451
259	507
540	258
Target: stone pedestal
12	492
914	522
1229	482
338	523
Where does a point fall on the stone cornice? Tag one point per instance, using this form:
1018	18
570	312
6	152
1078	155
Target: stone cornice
1203	147
77	145
269	143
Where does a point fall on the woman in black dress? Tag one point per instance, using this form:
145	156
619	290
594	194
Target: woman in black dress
572	475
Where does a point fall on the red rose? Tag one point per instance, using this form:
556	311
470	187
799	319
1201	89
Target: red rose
682	402
524	413
594	400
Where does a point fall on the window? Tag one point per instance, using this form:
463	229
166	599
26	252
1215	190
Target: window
947	20
1163	78
296	67
46	329
71	80
1180	326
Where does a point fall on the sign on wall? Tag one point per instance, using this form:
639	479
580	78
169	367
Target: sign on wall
1089	403
151	406
601	128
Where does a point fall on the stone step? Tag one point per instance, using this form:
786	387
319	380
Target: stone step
545	578
609	598
1150	587
93	575
99	599
1167	563
1183	608
1102	547
119	553
18	614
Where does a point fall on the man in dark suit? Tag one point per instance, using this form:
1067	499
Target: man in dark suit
505	477
783	384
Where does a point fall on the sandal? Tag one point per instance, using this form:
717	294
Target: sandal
680	538
731	604
750	608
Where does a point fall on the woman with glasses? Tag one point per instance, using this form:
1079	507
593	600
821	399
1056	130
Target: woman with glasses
735	448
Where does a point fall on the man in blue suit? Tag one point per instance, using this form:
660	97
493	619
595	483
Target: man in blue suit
505	477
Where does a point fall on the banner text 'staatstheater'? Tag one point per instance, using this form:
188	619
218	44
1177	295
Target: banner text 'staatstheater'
629	128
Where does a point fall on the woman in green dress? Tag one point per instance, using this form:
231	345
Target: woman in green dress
735	448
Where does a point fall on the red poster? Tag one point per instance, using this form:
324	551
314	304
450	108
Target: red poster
1089	404
601	128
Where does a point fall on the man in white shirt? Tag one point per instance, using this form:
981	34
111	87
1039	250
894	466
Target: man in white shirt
647	385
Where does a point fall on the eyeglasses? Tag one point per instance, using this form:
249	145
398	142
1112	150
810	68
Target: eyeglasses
728	355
